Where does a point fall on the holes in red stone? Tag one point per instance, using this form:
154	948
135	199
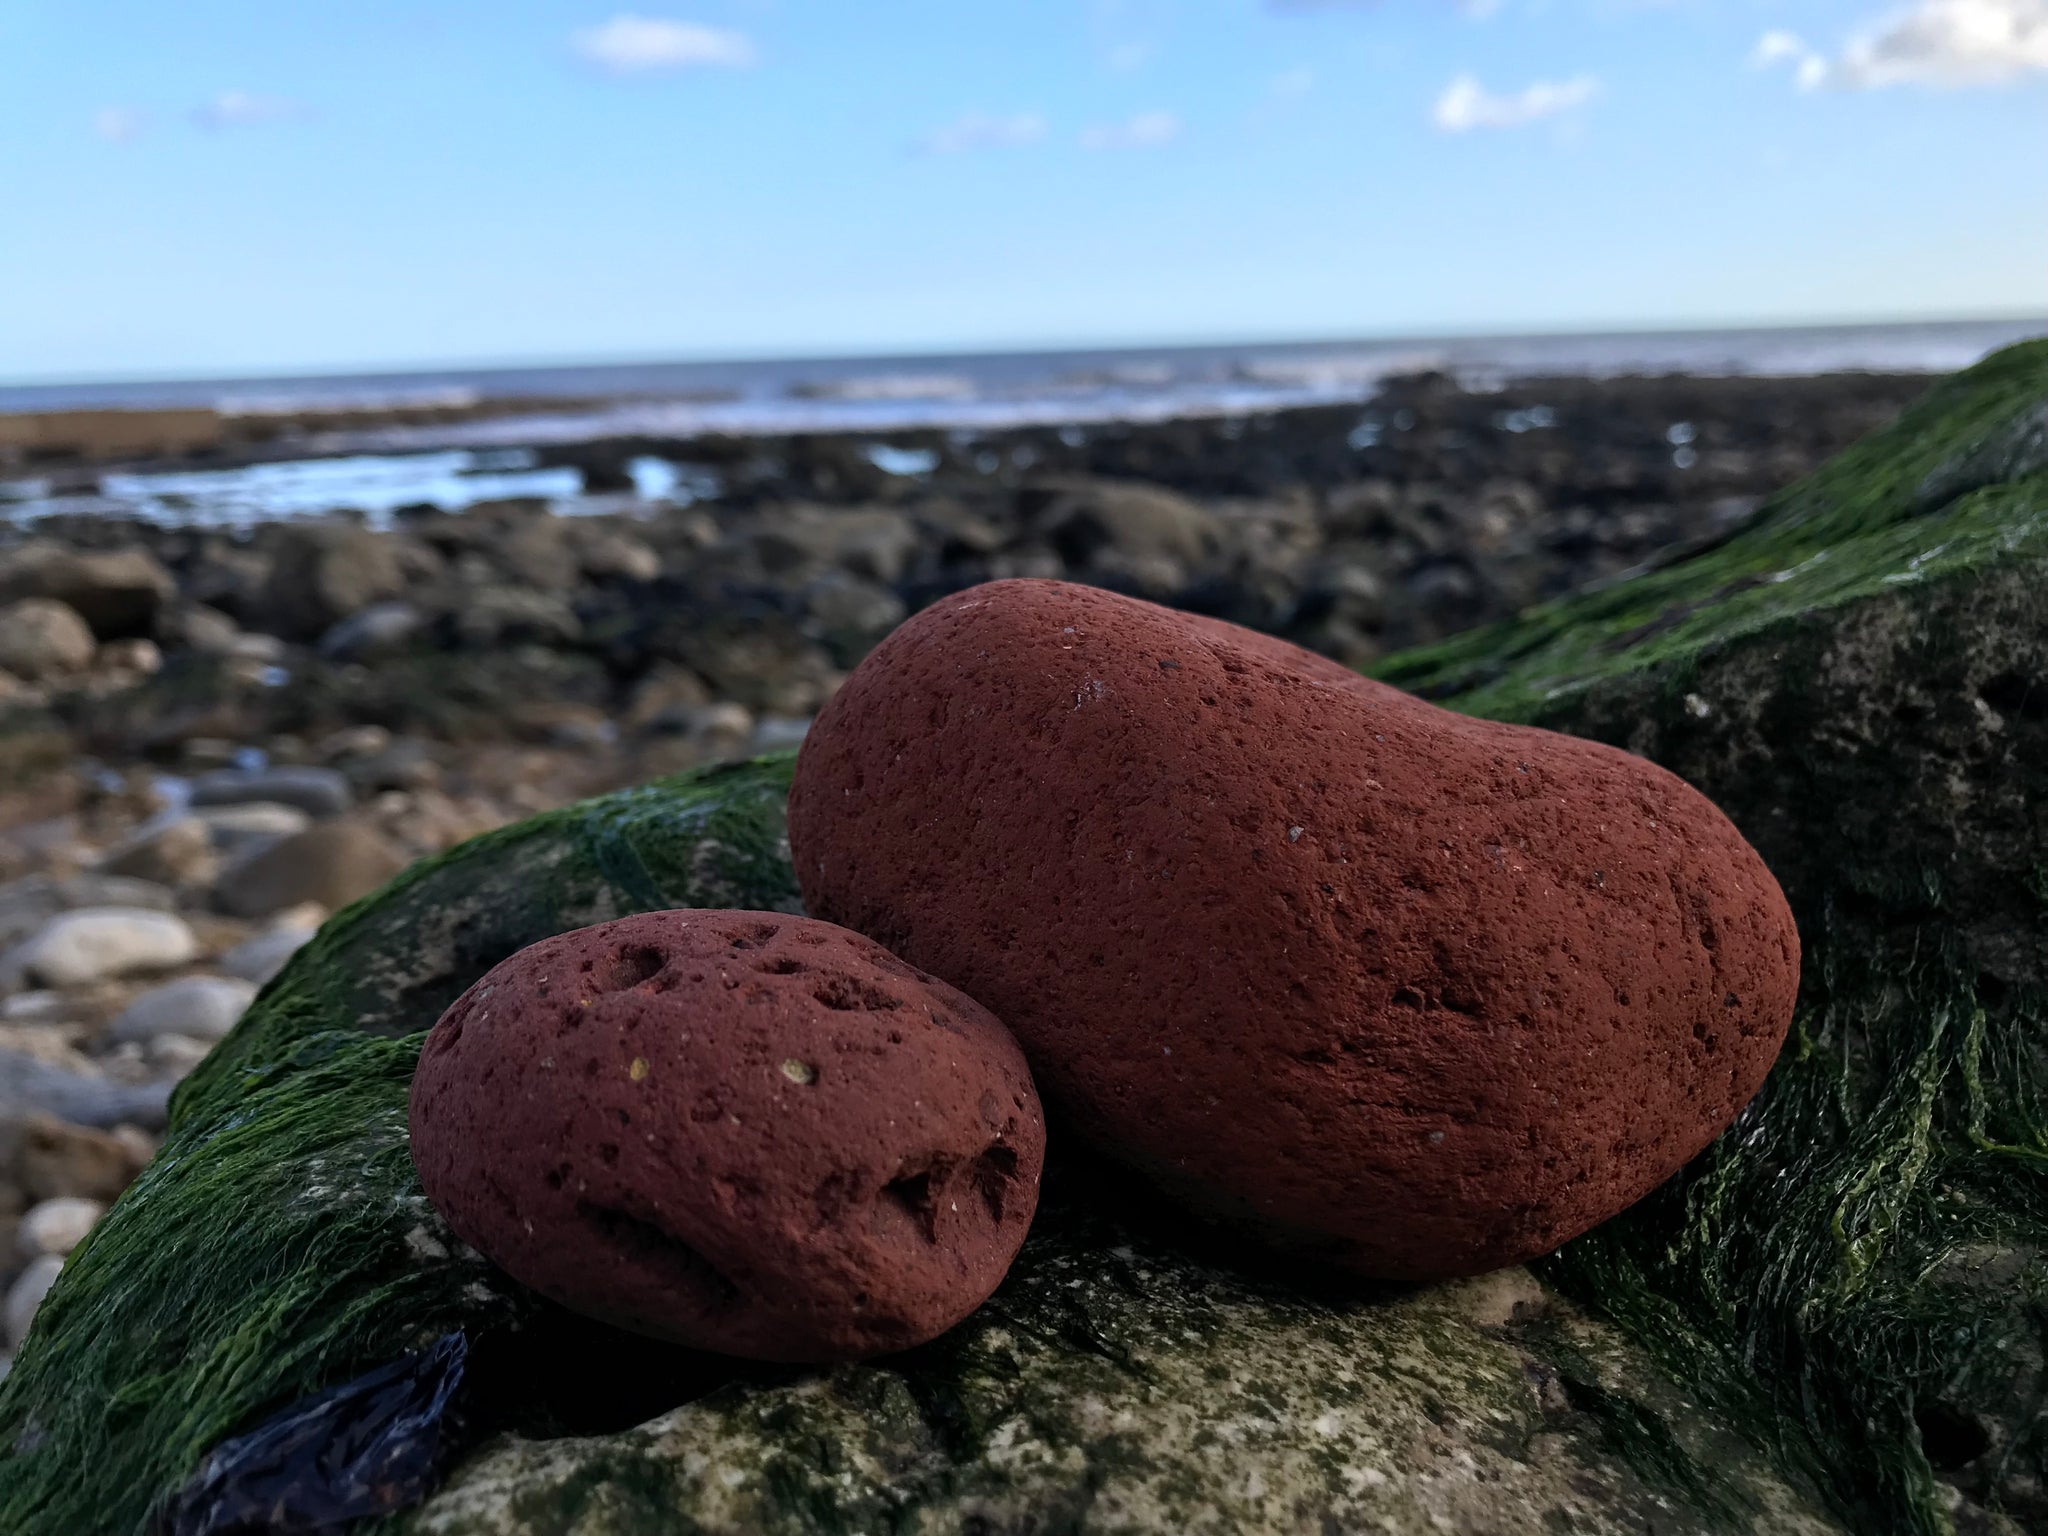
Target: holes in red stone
610	1153
993	1174
784	966
1409	997
754	937
558	1176
631	966
1731	1001
914	1194
849	996
649	1247
1460	1000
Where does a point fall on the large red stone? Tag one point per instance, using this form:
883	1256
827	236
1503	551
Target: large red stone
742	1131
1421	993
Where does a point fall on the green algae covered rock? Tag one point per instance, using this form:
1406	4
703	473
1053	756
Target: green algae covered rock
1834	1319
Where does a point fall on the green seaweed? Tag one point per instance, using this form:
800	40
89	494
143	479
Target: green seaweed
1953	485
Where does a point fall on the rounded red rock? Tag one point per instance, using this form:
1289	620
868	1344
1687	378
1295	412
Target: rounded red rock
1421	993
742	1131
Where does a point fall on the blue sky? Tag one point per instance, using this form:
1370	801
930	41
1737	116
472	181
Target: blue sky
220	186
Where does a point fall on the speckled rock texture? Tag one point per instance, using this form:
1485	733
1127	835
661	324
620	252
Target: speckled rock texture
742	1131
1422	994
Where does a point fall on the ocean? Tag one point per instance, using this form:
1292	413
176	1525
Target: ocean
377	468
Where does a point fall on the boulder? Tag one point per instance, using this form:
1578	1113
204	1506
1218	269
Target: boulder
173	850
1124	532
742	1131
56	1226
43	640
25	1296
118	592
27	904
200	1007
332	863
1423	994
244	827
93	944
372	631
53	1159
262	955
321	573
316	791
29	1086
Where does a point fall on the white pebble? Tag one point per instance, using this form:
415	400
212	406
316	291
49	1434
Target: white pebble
27	1293
56	1226
201	1007
74	949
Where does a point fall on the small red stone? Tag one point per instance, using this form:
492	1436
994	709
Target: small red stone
1421	993
742	1131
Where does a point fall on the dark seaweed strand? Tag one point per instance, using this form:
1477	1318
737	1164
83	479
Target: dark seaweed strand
288	1148
1857	1272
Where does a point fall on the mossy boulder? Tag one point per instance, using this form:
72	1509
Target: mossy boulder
1833	1319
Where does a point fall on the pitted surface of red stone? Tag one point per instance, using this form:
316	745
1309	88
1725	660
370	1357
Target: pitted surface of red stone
742	1131
1421	993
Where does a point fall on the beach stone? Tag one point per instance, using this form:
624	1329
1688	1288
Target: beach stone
74	949
43	640
177	850
29	1086
175	1056
262	955
53	1159
743	1131
116	591
322	573
318	792
30	902
239	829
56	1226
332	863
27	1293
372	631
1418	993
203	1007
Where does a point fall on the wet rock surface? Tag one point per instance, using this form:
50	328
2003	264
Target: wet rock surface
742	1131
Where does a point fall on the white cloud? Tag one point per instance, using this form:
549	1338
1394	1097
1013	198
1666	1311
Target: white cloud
1145	130
637	45
245	109
1466	104
118	125
1774	47
1941	43
977	131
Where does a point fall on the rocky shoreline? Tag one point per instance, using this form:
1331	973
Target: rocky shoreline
215	740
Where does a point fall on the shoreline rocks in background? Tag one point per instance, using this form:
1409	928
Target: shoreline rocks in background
1854	661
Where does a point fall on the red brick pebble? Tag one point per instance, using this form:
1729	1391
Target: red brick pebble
742	1131
1422	994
